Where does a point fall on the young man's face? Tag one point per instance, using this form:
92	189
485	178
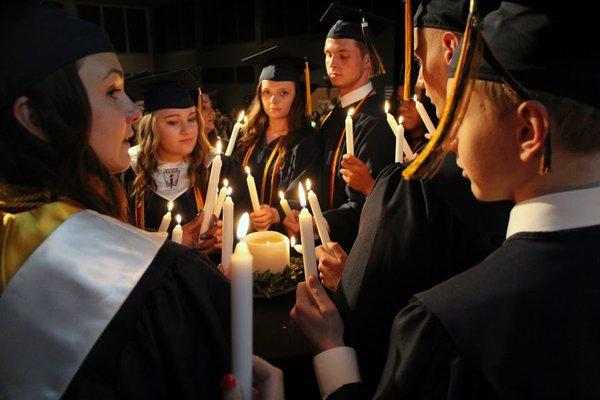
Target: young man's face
487	150
346	65
429	51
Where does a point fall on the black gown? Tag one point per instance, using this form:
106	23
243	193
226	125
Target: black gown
412	236
170	339
374	144
522	324
300	161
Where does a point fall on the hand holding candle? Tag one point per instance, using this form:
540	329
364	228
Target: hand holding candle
307	237
166	220
349	133
211	190
317	214
177	234
241	310
285	205
234	134
252	191
221	198
424	116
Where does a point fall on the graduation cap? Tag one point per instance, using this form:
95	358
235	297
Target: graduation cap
448	14
134	92
36	41
166	90
351	23
278	64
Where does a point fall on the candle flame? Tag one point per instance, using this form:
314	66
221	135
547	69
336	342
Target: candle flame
351	111
247	169
178	219
281	195
242	227
308	185
170	206
229	191
219	147
301	195
225	182
387	106
241	116
400	119
292	241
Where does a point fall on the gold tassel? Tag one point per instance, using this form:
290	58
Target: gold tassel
308	91
408	49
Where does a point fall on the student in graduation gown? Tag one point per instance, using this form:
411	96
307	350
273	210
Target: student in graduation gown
278	145
172	161
519	324
412	236
351	61
90	306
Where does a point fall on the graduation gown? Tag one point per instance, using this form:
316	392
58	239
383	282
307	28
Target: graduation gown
300	158
374	142
518	325
410	239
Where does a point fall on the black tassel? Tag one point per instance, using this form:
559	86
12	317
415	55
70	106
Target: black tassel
377	66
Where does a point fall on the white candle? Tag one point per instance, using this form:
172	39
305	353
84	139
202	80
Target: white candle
349	133
424	116
297	247
221	198
390	119
234	134
401	143
177	233
227	245
285	205
211	190
270	251
317	214
307	237
166	220
252	190
241	310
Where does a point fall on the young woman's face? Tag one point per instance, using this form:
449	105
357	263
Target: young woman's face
178	132
113	113
277	97
208	114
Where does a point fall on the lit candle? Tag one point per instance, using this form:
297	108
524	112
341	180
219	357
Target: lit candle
227	245
211	190
270	251
307	237
390	119
234	134
252	190
221	198
166	220
285	205
177	233
401	143
297	247
318	215
349	133
241	310
424	116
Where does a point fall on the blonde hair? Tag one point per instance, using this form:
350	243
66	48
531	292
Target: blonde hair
147	161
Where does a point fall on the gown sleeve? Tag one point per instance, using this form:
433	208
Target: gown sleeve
170	339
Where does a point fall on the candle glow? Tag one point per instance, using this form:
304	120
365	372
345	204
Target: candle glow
242	227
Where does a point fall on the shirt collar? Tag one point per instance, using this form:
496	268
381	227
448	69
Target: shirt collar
556	211
356	95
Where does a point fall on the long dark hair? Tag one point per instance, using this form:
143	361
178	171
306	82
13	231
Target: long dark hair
258	121
64	165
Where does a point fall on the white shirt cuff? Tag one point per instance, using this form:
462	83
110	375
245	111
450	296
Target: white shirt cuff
335	368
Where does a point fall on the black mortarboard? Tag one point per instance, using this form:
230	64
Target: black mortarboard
448	14
570	70
166	90
351	23
279	64
134	92
36	41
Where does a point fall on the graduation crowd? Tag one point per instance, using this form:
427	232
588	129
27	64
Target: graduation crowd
469	270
